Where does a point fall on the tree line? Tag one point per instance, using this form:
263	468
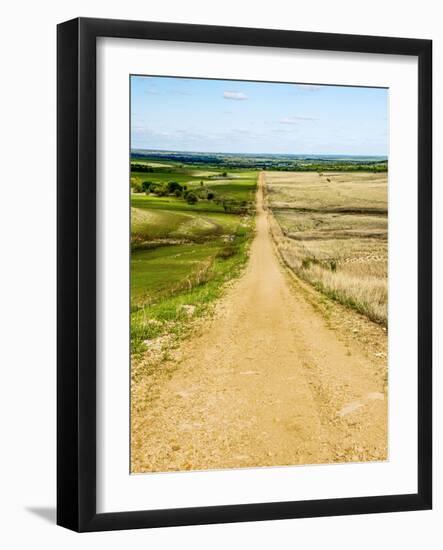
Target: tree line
191	196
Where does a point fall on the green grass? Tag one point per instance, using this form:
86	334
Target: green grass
172	203
191	224
158	311
154	225
183	254
165	176
239	185
242	190
167	268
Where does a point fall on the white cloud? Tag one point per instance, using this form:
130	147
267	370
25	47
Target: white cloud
151	90
296	119
234	95
180	92
308	87
284	130
137	128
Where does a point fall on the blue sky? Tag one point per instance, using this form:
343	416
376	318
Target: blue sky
184	114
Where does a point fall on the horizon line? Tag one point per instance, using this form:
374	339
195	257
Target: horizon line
256	154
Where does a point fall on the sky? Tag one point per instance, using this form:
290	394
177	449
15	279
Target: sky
183	114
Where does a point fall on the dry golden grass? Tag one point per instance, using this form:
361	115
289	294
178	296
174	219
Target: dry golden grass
345	191
334	234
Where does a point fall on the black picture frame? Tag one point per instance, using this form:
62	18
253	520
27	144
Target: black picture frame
76	280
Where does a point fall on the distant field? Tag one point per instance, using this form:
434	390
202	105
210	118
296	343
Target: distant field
292	162
331	229
329	191
183	251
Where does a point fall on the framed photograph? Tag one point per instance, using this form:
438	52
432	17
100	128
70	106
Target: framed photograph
244	274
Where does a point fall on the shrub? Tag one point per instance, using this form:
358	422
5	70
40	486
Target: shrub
227	252
235	207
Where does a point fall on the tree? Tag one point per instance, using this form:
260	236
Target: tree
137	167
191	198
136	186
153	187
146	186
158	189
173	186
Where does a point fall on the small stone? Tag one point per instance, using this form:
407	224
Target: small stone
350	408
376	395
188	309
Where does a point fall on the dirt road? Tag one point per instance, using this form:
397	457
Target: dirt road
267	382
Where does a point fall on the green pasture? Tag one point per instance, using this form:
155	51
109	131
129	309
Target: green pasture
183	253
162	270
242	189
139	200
164	176
168	280
190	224
238	185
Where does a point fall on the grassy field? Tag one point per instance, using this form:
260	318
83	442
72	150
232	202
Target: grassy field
183	250
331	229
